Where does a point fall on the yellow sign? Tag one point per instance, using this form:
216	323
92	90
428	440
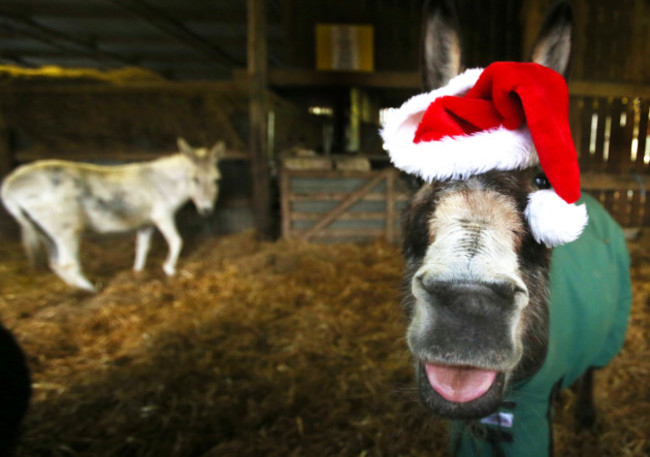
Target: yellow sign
344	47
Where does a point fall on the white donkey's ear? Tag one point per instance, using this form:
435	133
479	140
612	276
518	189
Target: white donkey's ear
553	46
218	151
184	147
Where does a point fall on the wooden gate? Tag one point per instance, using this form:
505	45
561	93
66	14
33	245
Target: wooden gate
342	205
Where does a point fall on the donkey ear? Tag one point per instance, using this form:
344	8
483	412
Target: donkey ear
184	147
553	46
218	151
440	46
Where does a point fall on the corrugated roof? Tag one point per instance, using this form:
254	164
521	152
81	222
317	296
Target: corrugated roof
179	39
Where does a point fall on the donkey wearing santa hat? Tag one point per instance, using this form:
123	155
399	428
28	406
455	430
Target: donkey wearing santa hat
516	285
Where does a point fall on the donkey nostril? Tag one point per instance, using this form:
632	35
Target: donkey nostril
426	281
431	288
422	286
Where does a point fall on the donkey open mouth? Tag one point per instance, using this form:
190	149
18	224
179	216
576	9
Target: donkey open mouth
460	391
459	384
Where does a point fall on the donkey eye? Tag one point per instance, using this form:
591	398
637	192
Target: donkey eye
541	181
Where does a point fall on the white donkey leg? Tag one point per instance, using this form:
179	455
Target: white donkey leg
65	261
167	227
142	244
31	243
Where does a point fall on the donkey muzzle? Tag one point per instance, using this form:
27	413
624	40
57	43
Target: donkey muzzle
205	210
464	323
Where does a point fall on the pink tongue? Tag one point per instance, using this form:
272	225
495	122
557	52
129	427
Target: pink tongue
459	384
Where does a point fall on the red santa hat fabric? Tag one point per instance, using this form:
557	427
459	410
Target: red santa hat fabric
508	116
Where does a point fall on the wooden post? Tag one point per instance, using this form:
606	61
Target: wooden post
258	108
390	207
353	142
285	188
6	158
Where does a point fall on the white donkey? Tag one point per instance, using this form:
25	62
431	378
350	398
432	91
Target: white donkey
55	200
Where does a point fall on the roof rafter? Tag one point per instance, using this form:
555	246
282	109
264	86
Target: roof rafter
59	40
172	27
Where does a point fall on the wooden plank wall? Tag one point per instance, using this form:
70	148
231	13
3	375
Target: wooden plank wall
612	135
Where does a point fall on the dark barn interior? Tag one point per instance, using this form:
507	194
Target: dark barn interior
282	332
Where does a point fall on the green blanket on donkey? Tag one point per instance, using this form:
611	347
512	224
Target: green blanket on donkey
590	301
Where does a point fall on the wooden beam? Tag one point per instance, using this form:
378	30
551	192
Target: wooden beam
258	114
92	155
197	87
163	53
337	196
608	89
608	181
233	137
337	234
293	78
333	174
411	80
170	26
188	10
77	10
356	216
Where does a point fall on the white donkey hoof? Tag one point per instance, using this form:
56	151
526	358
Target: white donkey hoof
88	287
170	270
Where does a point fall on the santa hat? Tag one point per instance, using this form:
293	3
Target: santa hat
508	116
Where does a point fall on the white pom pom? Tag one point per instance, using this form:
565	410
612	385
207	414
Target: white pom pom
552	220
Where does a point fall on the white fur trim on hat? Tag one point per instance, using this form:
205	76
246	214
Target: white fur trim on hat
553	221
453	157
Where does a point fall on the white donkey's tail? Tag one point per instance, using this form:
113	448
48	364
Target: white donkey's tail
28	229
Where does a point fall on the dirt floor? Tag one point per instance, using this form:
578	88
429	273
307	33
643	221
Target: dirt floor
258	349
